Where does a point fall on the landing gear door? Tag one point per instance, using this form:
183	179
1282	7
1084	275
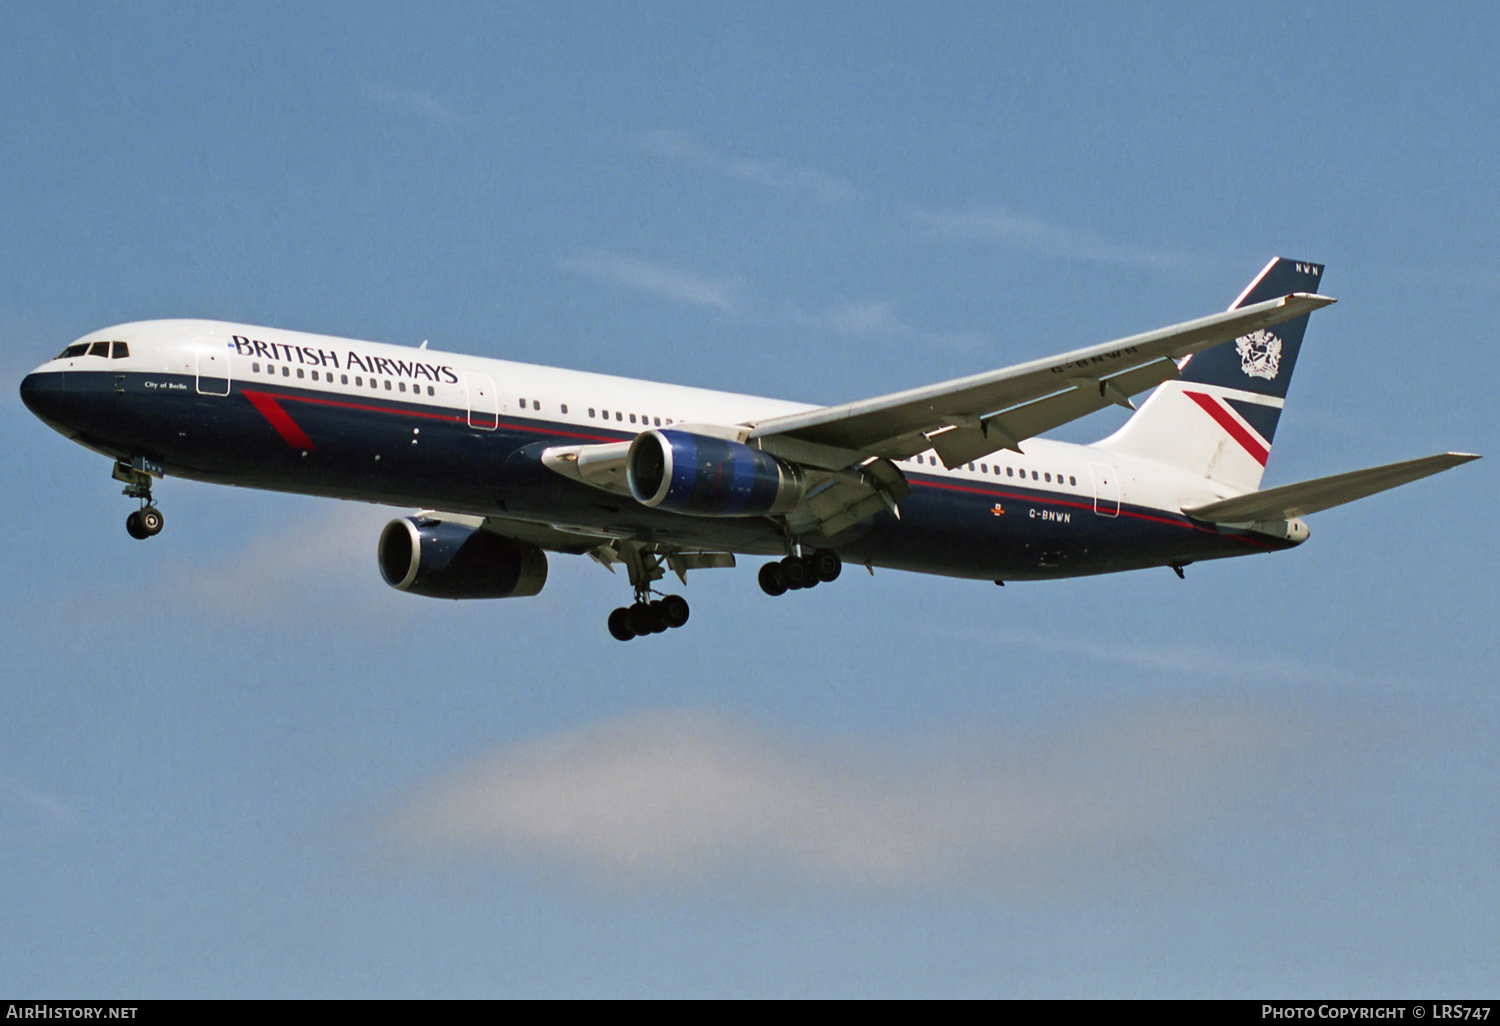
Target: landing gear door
1106	490
484	404
213	373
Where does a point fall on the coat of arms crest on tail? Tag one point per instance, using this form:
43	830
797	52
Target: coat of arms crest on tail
1260	354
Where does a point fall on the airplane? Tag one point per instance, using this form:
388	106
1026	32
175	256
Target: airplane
508	462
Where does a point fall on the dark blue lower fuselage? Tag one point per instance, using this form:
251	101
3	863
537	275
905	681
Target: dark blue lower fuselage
377	448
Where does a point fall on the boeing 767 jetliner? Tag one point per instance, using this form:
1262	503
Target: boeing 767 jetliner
511	461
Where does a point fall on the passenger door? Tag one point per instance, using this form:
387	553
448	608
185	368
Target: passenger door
1106	490
213	372
484	406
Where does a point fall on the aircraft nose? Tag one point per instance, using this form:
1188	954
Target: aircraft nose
44	394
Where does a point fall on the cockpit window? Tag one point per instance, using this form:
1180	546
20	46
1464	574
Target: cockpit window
99	349
118	350
77	349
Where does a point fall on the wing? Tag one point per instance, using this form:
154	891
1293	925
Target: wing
971	417
1304	497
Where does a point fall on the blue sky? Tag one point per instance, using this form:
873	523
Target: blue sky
232	762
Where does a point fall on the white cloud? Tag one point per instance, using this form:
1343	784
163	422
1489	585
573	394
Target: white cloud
1002	227
36	803
682	147
334	546
417	102
659	279
865	319
676	797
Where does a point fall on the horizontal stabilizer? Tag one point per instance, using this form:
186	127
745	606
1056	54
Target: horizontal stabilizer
1304	497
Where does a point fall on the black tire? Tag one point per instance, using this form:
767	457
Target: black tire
659	623
826	565
794	573
152	521
674	610
771	580
642	618
619	624
133	527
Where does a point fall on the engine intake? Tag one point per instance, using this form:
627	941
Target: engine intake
710	477
446	560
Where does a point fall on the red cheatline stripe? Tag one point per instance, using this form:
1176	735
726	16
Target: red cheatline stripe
404	412
1226	421
1183	522
285	426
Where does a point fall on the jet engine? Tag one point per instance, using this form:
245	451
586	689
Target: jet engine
440	559
710	477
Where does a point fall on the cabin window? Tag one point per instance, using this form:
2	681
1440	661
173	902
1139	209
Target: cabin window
315	375
1033	475
286	372
523	404
1010	472
431	390
402	384
565	407
255	367
299	372
632	418
621	416
1072	480
591	412
1048	477
118	350
387	384
344	379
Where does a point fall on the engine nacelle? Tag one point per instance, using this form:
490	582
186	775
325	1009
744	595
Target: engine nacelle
446	560
710	477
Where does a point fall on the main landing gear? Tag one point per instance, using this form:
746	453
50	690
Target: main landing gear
796	572
645	615
147	521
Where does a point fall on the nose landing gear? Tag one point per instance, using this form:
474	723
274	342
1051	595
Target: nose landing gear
147	521
797	572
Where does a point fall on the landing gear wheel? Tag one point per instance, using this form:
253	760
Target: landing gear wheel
826	565
619	624
674	610
659	623
151	521
771	580
795	573
133	527
642	618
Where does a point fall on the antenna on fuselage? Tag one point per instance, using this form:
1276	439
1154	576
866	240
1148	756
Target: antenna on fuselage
423	345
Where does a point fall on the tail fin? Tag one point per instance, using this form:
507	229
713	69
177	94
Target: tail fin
1218	419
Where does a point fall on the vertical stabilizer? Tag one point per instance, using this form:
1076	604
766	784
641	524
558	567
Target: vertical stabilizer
1219	418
